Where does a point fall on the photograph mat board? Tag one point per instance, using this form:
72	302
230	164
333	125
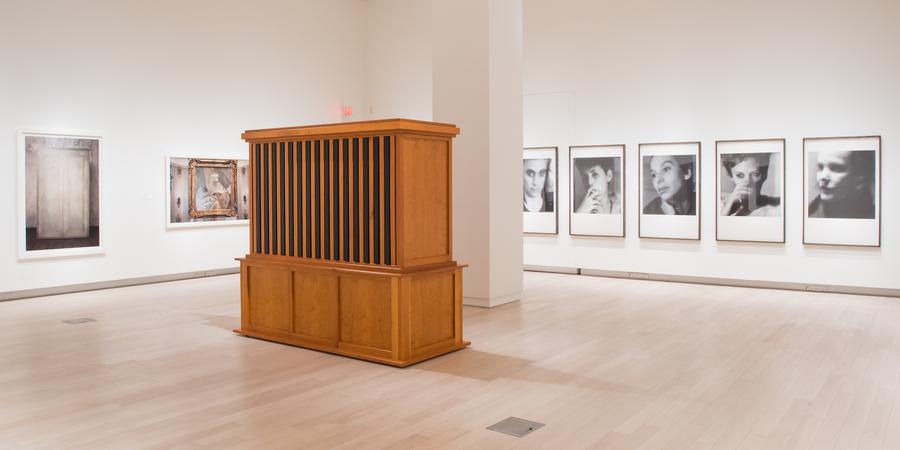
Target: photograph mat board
22	182
665	226
543	222
176	211
597	224
752	228
834	231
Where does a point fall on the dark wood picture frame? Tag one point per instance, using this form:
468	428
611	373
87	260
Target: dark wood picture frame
783	190
698	195
622	182
555	191
878	189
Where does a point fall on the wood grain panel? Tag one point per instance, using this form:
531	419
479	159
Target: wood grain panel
425	213
431	308
365	311
270	298
316	305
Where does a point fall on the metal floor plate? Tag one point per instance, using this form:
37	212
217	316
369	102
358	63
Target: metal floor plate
77	321
515	426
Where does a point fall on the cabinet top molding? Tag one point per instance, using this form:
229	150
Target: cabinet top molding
366	127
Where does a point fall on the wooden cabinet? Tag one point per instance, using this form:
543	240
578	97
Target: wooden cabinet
351	240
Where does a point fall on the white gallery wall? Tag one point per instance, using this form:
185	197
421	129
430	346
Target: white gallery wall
398	79
612	72
162	78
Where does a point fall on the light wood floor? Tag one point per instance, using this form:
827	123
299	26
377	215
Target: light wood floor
604	363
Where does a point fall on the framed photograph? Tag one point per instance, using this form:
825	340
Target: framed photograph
207	192
539	204
58	194
842	191
669	190
596	190
750	190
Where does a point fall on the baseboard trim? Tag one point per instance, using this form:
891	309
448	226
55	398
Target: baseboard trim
734	282
492	302
72	288
552	269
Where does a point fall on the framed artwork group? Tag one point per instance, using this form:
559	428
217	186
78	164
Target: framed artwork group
841	180
59	193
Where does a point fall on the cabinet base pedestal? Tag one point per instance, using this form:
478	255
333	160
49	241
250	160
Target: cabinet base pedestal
395	317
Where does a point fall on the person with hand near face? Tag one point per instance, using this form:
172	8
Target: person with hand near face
845	180
600	197
748	172
536	195
672	177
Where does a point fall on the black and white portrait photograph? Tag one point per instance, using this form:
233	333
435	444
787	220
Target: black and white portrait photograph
596	190
207	192
537	185
670	185
669	194
59	203
539	190
750	181
842	184
842	192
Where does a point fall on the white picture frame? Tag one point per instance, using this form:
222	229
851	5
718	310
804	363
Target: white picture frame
31	248
849	169
750	186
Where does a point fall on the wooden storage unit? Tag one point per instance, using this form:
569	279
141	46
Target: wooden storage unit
351	240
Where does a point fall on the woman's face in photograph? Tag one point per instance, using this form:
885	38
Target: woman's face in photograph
598	180
667	176
833	175
535	176
746	173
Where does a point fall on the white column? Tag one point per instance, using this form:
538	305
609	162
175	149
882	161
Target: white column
477	84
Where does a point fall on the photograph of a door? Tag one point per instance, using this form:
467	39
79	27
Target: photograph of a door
64	182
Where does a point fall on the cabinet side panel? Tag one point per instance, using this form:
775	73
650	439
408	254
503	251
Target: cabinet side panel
431	309
425	169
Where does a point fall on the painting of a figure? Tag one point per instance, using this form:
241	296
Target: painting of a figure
204	191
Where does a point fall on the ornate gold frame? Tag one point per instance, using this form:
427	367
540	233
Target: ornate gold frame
212	164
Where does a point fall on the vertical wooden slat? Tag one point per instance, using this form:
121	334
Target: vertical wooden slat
282	204
295	194
395	258
320	168
276	164
381	218
354	200
360	229
301	154
315	218
345	210
298	233
254	220
340	212
270	181
335	200
329	220
326	199
370	215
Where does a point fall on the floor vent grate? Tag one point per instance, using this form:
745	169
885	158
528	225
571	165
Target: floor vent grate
78	321
515	426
